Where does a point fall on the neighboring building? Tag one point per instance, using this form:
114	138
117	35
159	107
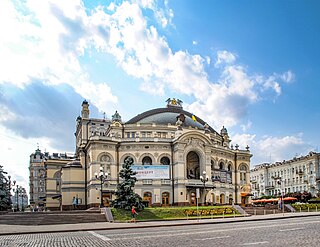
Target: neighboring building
37	181
171	149
45	178
296	175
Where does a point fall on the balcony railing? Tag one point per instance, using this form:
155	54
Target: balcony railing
147	181
165	182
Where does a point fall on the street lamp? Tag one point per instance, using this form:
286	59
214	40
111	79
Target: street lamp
17	192
23	195
102	177
11	184
204	178
281	183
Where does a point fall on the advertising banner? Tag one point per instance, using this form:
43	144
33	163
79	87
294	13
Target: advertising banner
151	172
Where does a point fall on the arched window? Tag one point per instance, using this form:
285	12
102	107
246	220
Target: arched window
193	166
229	174
212	164
243	171
147	161
165	161
57	177
221	165
105	158
128	158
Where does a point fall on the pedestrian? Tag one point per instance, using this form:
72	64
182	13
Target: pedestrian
74	202
133	214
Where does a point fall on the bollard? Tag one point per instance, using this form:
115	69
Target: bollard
234	214
211	216
316	208
308	209
274	211
300	209
264	212
187	217
255	212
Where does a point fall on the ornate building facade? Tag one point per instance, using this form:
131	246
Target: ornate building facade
45	178
177	155
299	174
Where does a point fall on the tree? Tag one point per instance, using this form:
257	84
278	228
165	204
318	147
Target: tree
126	198
4	191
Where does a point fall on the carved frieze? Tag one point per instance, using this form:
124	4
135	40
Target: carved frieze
195	142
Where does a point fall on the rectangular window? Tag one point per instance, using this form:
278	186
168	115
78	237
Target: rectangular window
132	134
128	134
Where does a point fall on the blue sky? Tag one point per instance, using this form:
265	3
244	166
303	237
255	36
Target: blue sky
252	66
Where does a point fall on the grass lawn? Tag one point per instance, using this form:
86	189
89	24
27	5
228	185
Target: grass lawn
170	213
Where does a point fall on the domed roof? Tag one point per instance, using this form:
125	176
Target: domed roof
169	115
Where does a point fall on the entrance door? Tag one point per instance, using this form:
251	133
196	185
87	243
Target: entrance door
165	199
106	198
193	199
147	196
243	200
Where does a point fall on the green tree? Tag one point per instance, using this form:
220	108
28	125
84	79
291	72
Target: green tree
4	191
126	198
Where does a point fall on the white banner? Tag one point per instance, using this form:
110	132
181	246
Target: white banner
151	172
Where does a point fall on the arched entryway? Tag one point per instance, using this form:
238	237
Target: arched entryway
193	165
230	199
165	199
147	197
222	199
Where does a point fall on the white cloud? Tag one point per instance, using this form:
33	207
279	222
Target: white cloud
288	76
16	151
271	147
224	57
43	40
246	127
51	36
194	42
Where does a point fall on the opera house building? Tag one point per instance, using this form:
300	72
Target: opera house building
178	158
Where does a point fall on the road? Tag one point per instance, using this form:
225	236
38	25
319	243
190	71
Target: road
283	232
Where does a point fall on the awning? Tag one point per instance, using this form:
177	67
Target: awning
246	194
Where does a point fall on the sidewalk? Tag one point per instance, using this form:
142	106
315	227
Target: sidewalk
21	229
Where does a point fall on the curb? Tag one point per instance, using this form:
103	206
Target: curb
245	219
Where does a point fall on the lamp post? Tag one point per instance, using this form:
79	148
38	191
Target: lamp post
11	184
17	192
102	177
204	178
23	195
281	183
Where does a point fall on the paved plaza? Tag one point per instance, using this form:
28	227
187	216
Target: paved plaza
271	230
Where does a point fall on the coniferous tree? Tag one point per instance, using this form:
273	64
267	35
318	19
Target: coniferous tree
126	198
4	191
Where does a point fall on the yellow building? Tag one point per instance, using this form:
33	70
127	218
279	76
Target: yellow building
176	154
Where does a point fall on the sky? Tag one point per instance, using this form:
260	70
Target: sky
251	66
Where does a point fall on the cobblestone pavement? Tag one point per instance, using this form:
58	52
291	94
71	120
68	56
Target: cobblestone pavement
282	232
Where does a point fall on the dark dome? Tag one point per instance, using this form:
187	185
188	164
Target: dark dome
164	116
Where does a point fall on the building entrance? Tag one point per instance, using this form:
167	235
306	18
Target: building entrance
165	199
